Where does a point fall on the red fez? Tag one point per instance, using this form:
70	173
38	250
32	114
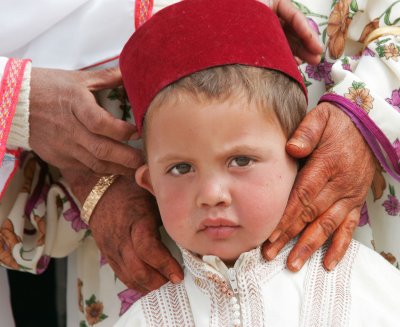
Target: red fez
193	35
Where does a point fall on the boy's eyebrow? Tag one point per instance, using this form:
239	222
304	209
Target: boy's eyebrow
226	151
243	149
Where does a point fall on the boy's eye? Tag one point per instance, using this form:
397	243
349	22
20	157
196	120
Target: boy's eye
181	169
240	161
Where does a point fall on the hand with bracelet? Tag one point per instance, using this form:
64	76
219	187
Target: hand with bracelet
124	223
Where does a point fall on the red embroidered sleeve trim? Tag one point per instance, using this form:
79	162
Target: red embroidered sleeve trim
9	92
143	11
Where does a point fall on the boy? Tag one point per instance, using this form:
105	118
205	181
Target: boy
220	94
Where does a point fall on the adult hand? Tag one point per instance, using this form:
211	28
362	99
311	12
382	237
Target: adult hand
329	190
302	38
69	130
125	226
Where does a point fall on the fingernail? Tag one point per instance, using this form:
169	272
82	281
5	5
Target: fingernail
296	143
174	279
297	264
134	137
270	254
274	236
332	265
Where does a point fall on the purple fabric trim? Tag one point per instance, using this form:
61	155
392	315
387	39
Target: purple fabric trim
370	131
369	138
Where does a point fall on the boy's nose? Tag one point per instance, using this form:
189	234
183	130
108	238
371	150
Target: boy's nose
213	192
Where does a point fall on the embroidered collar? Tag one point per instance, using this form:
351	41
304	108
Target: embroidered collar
201	268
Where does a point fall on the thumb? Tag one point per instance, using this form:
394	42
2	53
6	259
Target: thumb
96	80
308	134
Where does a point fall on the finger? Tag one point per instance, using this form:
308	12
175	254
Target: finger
101	122
125	276
298	60
299	24
341	239
309	183
103	149
146	237
96	80
144	277
308	134
99	167
162	260
292	224
316	234
305	55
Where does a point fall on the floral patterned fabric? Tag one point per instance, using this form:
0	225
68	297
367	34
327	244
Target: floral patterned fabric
40	219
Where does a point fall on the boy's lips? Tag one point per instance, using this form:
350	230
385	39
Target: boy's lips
218	228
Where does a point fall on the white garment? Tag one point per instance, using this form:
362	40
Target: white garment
363	290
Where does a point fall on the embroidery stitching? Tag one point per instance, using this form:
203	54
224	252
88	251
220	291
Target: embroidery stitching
143	12
327	300
168	307
9	92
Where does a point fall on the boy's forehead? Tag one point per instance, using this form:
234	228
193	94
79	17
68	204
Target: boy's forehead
183	101
193	35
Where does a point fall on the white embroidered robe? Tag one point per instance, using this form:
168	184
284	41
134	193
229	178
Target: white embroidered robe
363	290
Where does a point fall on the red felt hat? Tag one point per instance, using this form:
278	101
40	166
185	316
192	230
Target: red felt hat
193	35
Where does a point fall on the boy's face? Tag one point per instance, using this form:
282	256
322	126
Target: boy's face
219	172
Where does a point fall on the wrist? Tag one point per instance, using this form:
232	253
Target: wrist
95	196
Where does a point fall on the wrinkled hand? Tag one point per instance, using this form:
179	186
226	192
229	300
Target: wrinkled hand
69	130
302	38
125	226
329	190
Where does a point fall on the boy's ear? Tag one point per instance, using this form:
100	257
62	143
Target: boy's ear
142	177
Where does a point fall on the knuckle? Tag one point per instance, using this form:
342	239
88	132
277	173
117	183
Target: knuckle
97	167
286	236
304	195
309	213
328	226
133	160
307	248
96	122
306	132
141	276
350	225
101	150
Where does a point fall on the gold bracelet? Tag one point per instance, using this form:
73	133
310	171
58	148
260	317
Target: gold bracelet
95	195
381	31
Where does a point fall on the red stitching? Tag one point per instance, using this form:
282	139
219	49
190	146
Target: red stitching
143	11
9	93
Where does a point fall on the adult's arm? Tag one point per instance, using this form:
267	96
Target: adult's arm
331	188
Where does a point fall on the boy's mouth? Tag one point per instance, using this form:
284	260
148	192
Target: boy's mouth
218	228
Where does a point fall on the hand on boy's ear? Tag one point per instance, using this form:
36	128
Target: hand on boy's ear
329	190
302	38
125	226
69	130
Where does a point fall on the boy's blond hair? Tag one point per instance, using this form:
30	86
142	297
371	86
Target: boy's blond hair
267	88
